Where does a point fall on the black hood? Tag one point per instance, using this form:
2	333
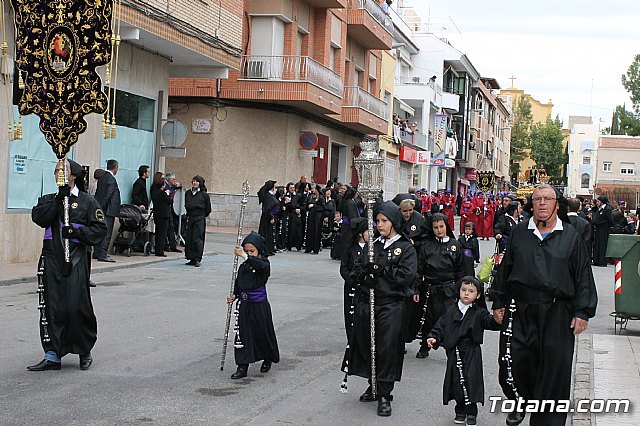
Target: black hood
257	240
358	225
392	212
435	218
201	180
262	193
349	193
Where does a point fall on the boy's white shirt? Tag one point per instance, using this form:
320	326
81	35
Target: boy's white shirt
463	308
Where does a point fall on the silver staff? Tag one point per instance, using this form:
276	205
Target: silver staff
62	179
234	273
370	168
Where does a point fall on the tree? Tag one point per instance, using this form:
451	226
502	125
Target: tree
520	132
631	82
625	122
546	146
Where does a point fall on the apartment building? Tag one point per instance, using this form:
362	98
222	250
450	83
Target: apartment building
160	40
617	169
307	91
489	141
583	153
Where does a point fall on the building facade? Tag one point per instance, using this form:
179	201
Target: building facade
616	168
159	41
307	91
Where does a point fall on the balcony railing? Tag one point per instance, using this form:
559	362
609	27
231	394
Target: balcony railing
291	68
375	10
416	137
419	80
357	97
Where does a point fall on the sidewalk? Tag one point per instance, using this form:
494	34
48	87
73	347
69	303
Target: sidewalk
15	273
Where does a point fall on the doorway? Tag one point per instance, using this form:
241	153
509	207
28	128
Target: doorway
338	163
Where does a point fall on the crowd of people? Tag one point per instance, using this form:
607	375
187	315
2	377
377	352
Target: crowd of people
421	275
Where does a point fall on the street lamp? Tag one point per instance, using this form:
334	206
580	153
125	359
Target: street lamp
370	168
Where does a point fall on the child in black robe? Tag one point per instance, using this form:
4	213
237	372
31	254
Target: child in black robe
359	239
255	338
470	248
460	332
440	264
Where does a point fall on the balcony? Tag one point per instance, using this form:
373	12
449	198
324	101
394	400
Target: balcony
369	25
297	81
416	89
450	101
327	4
365	113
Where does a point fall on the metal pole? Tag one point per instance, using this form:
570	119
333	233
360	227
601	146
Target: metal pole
374	381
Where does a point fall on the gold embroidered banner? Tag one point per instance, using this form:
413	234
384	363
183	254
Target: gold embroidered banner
59	44
485	181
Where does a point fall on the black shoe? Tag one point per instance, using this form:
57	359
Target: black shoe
240	373
307	251
471	420
106	259
423	352
197	264
190	263
265	367
85	362
91	284
175	250
460	418
367	396
45	365
514	418
384	406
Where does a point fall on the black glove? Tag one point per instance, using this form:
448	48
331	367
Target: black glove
369	281
68	232
63	191
374	269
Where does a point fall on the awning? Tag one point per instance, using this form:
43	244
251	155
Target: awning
405	107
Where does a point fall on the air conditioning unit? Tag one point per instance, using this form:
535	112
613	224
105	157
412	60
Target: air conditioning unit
416	79
257	69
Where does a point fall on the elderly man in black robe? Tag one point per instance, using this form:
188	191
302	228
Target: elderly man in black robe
546	284
602	222
67	322
391	275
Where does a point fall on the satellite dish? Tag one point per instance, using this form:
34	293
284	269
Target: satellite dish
174	133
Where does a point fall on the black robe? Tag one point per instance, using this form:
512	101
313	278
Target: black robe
315	215
391	288
470	253
503	227
546	283
198	207
255	333
414	229
270	210
294	222
453	330
602	221
584	228
347	262
67	321
441	266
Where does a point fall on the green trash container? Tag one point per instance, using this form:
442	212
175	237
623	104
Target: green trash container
625	250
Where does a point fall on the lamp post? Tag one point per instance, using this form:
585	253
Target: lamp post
370	167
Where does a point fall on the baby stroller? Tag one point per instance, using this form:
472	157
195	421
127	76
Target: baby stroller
132	236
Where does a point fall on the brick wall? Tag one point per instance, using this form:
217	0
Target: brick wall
221	17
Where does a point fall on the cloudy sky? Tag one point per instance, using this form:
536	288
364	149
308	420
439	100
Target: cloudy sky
556	49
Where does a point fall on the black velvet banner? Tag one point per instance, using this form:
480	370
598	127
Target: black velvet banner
59	44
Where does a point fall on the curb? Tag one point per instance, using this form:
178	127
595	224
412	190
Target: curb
583	378
33	278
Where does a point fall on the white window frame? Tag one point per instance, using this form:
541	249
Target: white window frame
607	166
586	159
628	169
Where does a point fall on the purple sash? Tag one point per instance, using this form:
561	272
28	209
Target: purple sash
254	296
48	234
467	252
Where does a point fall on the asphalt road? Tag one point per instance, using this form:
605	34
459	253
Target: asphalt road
157	359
